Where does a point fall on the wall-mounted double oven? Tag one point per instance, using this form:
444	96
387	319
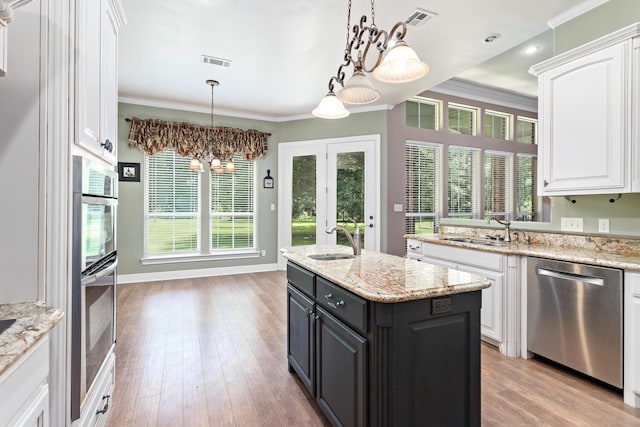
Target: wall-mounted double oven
94	264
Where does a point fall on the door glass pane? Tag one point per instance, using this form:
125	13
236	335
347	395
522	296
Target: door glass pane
350	194
303	206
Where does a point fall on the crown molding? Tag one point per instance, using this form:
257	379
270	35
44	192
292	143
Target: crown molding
465	89
574	12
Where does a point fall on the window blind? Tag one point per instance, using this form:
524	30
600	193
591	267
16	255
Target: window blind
497	184
172	200
526	191
422	200
462	189
232	214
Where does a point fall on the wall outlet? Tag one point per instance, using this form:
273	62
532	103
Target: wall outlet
603	225
571	224
263	252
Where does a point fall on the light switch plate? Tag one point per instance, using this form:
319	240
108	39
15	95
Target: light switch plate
397	207
603	225
571	224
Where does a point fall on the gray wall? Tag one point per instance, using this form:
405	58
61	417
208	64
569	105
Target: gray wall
131	194
21	160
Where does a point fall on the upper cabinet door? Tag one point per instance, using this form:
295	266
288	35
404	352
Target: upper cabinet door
98	23
585	106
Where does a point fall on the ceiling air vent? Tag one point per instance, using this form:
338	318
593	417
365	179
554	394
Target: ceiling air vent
419	17
212	60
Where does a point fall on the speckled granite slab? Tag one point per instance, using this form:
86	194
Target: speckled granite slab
606	251
382	277
33	321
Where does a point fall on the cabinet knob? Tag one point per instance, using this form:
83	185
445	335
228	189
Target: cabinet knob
107	145
332	305
546	182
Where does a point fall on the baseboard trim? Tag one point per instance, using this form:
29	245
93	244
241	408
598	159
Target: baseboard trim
191	274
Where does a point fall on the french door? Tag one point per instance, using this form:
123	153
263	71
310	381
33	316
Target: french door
326	182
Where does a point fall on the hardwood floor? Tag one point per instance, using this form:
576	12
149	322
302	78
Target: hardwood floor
212	352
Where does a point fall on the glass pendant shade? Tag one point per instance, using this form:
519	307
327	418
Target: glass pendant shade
195	165
215	164
400	65
358	90
229	167
330	107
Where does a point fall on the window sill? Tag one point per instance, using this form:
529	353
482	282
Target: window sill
171	259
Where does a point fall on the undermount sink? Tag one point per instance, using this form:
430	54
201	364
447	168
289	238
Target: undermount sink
485	242
329	257
6	324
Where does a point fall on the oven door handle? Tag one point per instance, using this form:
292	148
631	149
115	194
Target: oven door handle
87	281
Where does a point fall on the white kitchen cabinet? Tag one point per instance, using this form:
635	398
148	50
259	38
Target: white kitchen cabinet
585	118
24	389
632	338
97	23
500	302
635	113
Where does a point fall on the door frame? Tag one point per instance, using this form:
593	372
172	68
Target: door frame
319	146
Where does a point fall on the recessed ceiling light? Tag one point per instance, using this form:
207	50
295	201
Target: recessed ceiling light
491	38
531	50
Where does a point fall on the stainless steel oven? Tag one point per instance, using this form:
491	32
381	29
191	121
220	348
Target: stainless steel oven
95	258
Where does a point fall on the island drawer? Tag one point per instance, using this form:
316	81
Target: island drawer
343	304
301	279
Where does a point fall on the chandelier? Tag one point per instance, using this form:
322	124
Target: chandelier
215	164
400	65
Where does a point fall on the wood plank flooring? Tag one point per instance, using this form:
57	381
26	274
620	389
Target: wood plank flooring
212	352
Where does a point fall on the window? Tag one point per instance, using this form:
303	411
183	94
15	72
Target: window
174	202
232	215
497	125
526	191
423	113
462	188
462	119
172	205
497	184
527	130
422	205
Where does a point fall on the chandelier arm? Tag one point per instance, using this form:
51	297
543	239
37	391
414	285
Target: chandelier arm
380	41
398	34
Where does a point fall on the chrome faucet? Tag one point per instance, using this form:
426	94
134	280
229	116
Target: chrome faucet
507	227
354	239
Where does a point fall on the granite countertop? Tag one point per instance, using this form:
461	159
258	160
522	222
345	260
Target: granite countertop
33	321
384	278
616	258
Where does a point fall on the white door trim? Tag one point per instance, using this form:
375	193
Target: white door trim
319	147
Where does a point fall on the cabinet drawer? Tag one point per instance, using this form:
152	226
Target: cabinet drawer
301	279
470	257
343	304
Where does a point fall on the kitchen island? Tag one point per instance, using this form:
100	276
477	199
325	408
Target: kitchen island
380	340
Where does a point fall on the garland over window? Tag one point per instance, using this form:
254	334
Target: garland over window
192	140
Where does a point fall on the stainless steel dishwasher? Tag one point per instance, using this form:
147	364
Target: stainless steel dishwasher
574	316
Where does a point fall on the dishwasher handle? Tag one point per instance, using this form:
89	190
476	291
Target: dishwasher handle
573	277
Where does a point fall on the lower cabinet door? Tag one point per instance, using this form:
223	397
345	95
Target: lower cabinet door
341	374
300	336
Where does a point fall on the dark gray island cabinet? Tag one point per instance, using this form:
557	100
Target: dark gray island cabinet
375	362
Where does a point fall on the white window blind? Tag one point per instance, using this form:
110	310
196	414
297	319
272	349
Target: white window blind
527	130
232	214
497	125
497	184
423	188
526	191
172	205
463	185
462	119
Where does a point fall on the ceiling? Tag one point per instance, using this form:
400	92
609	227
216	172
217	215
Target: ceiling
283	52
